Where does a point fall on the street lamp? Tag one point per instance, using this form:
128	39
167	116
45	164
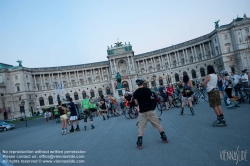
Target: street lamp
23	111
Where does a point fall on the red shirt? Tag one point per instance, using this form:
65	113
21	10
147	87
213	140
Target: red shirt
170	90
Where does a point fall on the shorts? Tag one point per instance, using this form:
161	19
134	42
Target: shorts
214	98
221	88
64	117
144	117
188	96
114	106
165	97
73	118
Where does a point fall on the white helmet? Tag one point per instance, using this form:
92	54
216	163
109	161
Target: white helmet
224	72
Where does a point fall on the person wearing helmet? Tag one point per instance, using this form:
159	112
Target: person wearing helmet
142	97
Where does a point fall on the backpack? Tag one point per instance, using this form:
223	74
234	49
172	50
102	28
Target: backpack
186	88
154	99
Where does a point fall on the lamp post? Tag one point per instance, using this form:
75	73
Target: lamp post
23	111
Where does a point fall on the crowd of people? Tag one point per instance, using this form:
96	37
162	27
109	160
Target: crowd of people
217	86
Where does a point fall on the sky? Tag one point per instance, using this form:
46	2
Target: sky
49	33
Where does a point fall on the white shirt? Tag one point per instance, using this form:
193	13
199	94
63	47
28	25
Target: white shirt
235	79
211	84
244	77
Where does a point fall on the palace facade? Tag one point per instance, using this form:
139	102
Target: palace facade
32	89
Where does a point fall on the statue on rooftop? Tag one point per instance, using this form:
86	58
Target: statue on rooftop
19	62
216	24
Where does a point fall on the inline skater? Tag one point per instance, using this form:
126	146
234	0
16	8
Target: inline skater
73	116
63	115
187	93
214	95
103	106
142	97
87	113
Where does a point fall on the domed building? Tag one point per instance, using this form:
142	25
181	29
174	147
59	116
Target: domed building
32	89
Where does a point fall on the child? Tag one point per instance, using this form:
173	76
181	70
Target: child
232	97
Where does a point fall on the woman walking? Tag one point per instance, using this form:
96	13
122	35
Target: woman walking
187	94
214	95
63	115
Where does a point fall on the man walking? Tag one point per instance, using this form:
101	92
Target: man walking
73	116
142	97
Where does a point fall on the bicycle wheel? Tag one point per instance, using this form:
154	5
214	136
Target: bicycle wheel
177	103
127	112
205	97
133	113
158	111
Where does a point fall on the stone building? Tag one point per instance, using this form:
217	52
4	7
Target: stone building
226	47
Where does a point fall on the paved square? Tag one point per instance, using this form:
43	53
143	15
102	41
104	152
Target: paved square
193	140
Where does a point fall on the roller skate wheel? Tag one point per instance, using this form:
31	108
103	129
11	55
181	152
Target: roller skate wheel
140	147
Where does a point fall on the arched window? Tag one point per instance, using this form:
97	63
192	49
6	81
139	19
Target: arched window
168	79
100	91
41	101
185	73
177	78
67	96
92	93
202	72
50	98
84	95
108	91
76	96
193	73
160	80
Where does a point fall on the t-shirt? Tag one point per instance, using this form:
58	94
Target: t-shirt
85	104
171	90
128	97
161	90
112	100
56	111
72	109
143	96
244	76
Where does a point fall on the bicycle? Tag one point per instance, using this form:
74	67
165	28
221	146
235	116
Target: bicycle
202	95
176	102
160	105
130	112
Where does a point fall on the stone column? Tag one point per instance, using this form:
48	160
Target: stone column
35	82
154	64
146	65
184	56
133	62
86	79
44	83
128	63
188	61
210	49
196	57
41	83
201	53
115	66
176	59
169	64
78	79
205	57
70	79
62	85
111	63
160	60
